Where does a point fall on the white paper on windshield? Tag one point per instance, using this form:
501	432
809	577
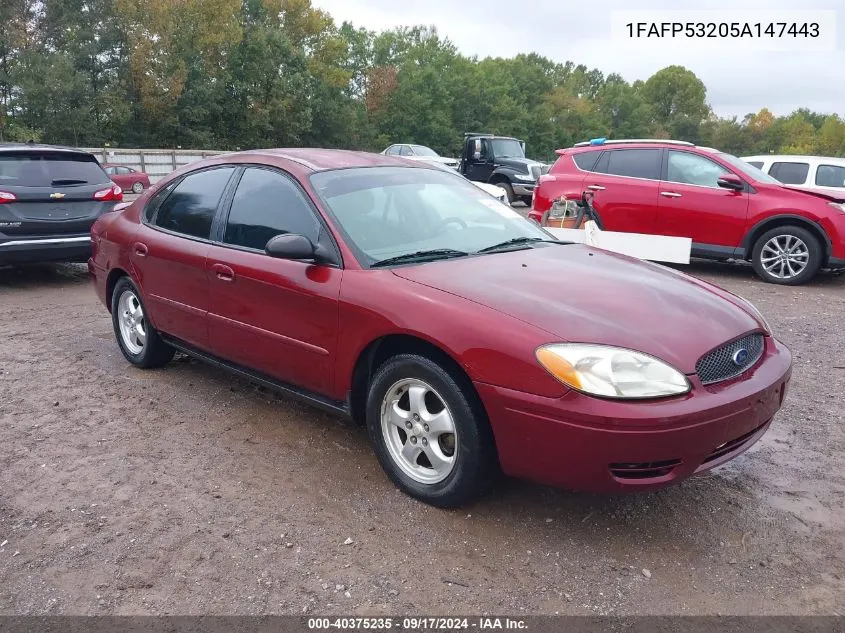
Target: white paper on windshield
502	209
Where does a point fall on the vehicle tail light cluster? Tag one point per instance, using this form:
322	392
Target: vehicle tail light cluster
113	193
5	196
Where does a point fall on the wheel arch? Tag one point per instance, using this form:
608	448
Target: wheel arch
111	281
375	353
785	219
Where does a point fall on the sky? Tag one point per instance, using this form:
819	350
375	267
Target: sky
738	81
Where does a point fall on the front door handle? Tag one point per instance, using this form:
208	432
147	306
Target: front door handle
140	249
223	272
670	194
595	187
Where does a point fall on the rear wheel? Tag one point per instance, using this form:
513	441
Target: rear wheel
787	255
138	340
137	187
430	435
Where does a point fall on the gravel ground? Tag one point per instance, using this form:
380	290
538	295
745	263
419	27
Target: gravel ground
185	491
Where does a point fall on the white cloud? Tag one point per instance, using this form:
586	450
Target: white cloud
737	83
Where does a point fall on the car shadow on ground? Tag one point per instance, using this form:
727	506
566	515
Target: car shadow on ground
42	276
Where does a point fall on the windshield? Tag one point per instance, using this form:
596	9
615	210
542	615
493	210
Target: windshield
749	170
421	150
49	169
507	148
386	212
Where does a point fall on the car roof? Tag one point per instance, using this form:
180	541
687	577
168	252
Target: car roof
320	159
36	147
797	157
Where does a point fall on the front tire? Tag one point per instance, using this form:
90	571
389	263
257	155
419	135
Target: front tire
138	340
509	194
429	432
787	255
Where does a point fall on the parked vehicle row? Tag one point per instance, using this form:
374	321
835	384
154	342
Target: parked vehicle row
815	173
401	296
729	208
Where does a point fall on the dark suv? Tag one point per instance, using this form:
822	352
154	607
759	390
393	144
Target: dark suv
49	198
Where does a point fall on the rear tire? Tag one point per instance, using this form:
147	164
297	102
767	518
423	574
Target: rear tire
137	187
787	255
447	464
138	340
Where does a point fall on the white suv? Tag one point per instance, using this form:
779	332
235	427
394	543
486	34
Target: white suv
815	173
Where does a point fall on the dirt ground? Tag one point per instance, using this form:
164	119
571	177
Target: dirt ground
186	491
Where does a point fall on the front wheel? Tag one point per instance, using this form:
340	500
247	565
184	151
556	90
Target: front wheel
429	432
787	255
509	194
138	340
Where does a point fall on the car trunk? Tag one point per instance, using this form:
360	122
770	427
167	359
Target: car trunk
48	193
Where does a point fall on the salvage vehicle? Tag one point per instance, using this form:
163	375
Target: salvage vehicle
419	152
501	161
49	198
727	207
816	173
394	293
128	178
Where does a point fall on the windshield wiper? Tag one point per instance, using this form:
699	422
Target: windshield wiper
518	241
68	181
420	256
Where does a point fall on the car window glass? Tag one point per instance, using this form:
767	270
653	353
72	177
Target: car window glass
156	200
790	173
50	169
405	151
191	207
110	170
124	170
757	163
634	163
267	204
393	150
692	169
586	160
830	176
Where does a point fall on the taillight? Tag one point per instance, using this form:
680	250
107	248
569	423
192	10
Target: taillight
5	196
114	193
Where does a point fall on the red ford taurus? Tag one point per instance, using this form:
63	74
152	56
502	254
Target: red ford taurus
462	335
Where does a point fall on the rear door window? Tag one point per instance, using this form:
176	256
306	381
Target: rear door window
830	176
790	173
50	169
633	163
191	207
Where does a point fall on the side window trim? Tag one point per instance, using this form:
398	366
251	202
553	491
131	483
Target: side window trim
324	233
172	187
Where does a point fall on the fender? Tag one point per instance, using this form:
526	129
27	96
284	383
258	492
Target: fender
758	229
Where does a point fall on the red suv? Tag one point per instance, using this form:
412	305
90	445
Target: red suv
729	208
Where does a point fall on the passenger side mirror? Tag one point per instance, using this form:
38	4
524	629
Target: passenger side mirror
290	246
731	181
476	156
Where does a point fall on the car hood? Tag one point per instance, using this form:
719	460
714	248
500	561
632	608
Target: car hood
519	164
581	294
493	190
824	195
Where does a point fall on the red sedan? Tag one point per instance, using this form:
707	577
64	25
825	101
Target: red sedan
465	338
127	178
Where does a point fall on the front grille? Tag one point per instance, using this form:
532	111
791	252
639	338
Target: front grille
643	470
728	361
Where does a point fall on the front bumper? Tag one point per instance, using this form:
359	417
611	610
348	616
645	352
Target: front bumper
523	188
589	444
74	248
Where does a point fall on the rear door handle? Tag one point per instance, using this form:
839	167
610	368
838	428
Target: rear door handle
670	194
141	249
595	187
223	272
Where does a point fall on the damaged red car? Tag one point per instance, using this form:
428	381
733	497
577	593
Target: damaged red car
464	337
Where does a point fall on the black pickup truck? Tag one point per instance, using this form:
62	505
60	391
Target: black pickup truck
500	160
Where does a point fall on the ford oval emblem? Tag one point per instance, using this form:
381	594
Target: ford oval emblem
740	357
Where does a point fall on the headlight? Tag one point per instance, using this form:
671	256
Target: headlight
839	206
523	177
611	372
